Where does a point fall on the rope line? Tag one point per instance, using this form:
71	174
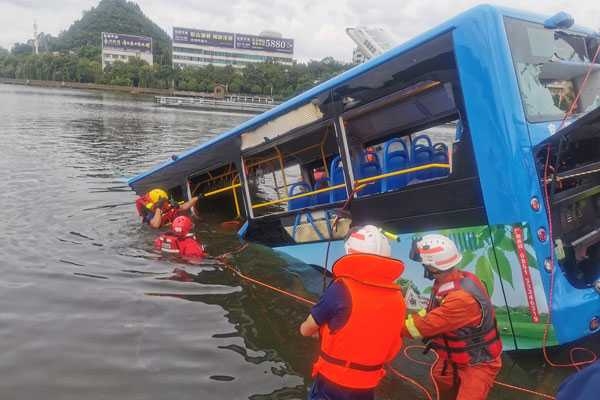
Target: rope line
224	259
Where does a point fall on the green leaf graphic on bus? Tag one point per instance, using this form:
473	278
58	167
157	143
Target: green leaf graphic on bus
487	252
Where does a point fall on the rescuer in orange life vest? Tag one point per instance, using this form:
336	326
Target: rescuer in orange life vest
460	323
157	210
359	319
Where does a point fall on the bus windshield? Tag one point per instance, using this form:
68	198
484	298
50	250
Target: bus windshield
550	67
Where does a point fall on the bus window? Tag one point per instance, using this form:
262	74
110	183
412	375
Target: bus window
296	172
406	142
222	192
550	67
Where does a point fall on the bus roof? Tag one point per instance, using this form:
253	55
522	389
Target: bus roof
198	158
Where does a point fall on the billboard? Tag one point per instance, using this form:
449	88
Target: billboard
251	42
119	41
207	38
232	40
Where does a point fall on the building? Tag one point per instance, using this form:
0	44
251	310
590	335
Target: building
193	47
370	42
120	47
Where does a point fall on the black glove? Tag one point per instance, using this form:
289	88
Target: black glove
174	204
161	203
200	196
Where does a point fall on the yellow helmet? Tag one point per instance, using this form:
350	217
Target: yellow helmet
157	194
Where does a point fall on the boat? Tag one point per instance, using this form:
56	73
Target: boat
464	130
230	103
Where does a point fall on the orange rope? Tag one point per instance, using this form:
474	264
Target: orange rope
224	259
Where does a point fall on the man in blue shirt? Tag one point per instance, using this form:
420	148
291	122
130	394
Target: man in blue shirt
359	319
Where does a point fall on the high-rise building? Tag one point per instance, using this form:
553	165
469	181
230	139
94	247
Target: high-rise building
370	42
121	47
194	47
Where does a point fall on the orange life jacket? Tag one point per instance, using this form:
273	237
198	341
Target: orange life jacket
354	356
468	345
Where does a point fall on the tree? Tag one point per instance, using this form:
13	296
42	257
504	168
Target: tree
22	48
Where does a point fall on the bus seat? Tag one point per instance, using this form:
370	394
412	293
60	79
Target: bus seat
422	153
367	167
337	177
302	202
440	156
321	198
395	160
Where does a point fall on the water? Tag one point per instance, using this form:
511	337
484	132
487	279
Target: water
88	311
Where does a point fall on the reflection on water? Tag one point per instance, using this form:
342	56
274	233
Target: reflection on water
89	312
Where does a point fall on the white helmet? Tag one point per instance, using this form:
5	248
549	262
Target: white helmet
368	239
438	251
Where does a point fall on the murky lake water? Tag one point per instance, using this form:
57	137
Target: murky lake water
88	311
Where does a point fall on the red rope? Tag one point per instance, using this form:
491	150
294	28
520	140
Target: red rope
304	300
572	363
583	85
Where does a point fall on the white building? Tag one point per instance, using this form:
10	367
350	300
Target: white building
193	47
121	47
370	42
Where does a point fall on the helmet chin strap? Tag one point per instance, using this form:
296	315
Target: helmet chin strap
428	272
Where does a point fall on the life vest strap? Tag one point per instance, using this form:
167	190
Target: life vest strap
466	348
349	364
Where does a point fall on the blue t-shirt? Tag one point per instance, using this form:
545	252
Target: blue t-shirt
584	385
333	307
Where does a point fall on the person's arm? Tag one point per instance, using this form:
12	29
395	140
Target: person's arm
189	204
309	327
458	309
156	220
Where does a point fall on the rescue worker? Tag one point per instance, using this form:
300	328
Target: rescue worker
180	241
157	210
359	319
459	324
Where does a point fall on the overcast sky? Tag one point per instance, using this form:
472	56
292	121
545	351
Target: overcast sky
318	26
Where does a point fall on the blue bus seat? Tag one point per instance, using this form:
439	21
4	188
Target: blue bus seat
336	170
302	202
421	155
395	160
368	168
440	156
321	198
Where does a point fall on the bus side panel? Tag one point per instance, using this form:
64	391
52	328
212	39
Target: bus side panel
476	245
514	258
499	132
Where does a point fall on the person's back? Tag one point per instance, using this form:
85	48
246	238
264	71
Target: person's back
181	241
359	319
584	385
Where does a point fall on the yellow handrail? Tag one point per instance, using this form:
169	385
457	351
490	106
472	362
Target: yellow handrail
359	181
224	189
299	196
401	172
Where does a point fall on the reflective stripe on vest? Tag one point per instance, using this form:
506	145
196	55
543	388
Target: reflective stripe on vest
472	344
354	355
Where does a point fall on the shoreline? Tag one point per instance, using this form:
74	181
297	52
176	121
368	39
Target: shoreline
102	87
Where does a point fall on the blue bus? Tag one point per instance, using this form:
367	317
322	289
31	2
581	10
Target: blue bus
485	129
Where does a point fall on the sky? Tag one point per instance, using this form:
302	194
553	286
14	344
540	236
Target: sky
317	26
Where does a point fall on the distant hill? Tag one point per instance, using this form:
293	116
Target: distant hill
117	16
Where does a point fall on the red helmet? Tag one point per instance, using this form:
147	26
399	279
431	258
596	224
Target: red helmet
182	225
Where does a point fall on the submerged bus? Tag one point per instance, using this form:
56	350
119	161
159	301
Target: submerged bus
460	131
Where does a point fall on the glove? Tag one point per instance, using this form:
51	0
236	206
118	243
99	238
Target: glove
200	196
160	204
174	204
